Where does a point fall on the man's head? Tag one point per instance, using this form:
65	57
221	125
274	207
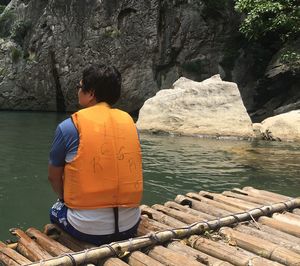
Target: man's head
103	82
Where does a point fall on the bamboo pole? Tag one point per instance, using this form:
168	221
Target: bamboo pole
296	212
172	258
29	248
282	226
229	253
274	238
214	203
265	199
219	250
237	203
94	254
288	218
160	217
138	258
114	262
201	206
269	194
65	239
262	247
244	197
148	225
10	257
204	258
186	209
278	233
51	246
6	260
179	215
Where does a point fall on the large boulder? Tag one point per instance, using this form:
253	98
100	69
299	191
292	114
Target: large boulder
209	108
285	127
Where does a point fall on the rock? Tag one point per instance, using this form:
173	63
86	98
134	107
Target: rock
209	108
278	90
287	108
152	43
257	131
284	127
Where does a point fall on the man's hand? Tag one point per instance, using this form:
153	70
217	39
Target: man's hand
55	177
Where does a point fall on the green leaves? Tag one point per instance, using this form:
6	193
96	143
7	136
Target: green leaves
269	16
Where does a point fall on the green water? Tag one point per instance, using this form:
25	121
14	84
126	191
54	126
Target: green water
172	166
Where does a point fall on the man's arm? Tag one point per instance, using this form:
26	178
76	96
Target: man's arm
57	162
55	177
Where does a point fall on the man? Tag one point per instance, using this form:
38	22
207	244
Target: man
95	164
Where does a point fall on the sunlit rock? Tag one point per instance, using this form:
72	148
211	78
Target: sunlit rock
209	108
284	127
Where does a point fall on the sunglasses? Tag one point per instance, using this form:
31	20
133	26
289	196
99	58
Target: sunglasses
79	86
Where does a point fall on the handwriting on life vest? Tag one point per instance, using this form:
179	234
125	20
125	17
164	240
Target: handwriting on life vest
105	152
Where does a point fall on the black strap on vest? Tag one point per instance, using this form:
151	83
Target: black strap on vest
116	214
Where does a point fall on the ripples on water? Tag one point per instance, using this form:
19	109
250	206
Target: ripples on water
172	166
175	165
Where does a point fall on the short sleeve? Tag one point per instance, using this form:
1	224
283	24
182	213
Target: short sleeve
65	143
58	149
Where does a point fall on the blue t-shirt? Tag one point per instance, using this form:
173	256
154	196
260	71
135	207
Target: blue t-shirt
65	143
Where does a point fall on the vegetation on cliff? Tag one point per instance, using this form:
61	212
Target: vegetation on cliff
269	21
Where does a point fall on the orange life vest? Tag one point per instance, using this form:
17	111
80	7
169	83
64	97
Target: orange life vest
107	170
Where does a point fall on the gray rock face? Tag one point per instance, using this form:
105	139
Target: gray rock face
209	108
269	87
151	42
45	45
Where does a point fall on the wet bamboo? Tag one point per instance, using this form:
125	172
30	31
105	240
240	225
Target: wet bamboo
51	246
179	215
265	193
229	253
29	248
160	217
282	226
138	258
238	203
262	247
114	262
65	239
186	209
266	200
11	256
201	206
204	258
261	233
172	258
214	203
94	254
148	225
288	218
245	198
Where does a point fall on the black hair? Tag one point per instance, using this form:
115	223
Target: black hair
105	81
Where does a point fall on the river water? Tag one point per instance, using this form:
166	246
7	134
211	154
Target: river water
172	166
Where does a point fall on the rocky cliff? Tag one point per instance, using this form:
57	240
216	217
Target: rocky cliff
45	44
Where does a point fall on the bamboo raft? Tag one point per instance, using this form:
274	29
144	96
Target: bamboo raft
239	227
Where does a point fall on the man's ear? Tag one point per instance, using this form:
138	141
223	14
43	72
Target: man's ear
92	93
